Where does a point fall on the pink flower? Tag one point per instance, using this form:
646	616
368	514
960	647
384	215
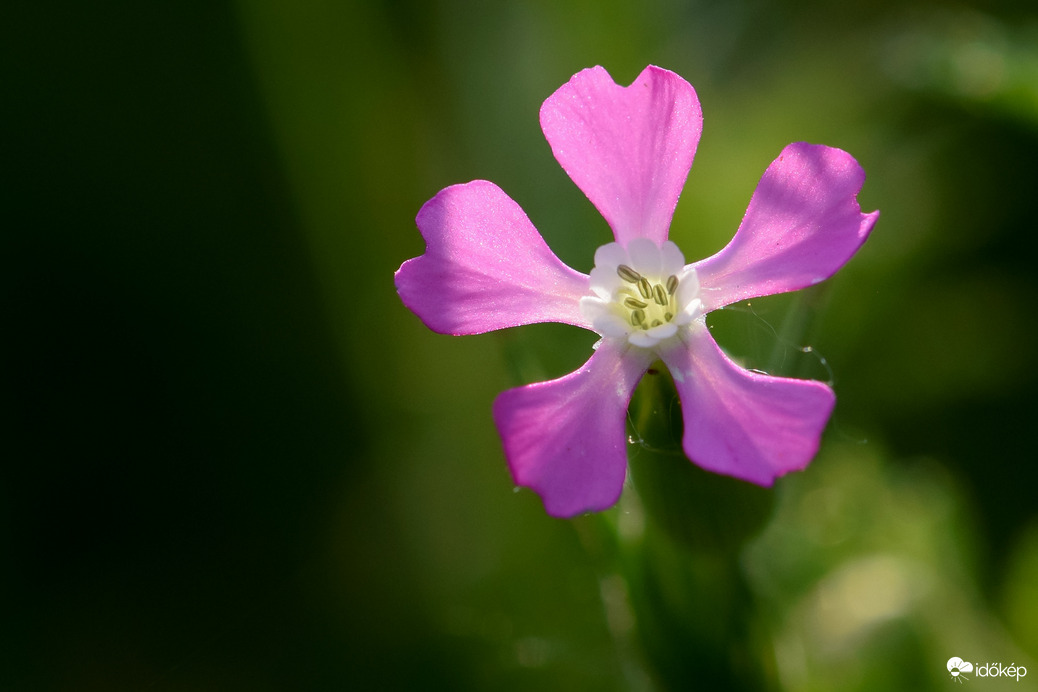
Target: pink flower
629	149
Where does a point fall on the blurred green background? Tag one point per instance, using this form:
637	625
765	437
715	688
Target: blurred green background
232	460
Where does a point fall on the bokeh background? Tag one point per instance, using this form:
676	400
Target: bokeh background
232	460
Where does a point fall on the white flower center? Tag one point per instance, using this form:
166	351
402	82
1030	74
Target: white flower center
643	292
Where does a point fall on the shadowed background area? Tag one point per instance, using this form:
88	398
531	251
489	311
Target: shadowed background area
232	459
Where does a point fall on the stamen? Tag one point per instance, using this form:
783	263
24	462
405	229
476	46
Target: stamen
644	307
659	294
628	274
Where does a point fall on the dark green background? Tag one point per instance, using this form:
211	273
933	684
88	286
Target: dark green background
232	460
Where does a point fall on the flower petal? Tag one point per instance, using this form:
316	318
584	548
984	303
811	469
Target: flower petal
741	423
645	255
673	259
486	267
803	223
628	148
603	318
566	439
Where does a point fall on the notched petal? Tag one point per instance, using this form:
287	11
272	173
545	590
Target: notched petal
803	223
741	423
486	267
628	148
566	439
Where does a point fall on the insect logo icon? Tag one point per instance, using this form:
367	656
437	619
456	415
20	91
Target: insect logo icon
957	667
